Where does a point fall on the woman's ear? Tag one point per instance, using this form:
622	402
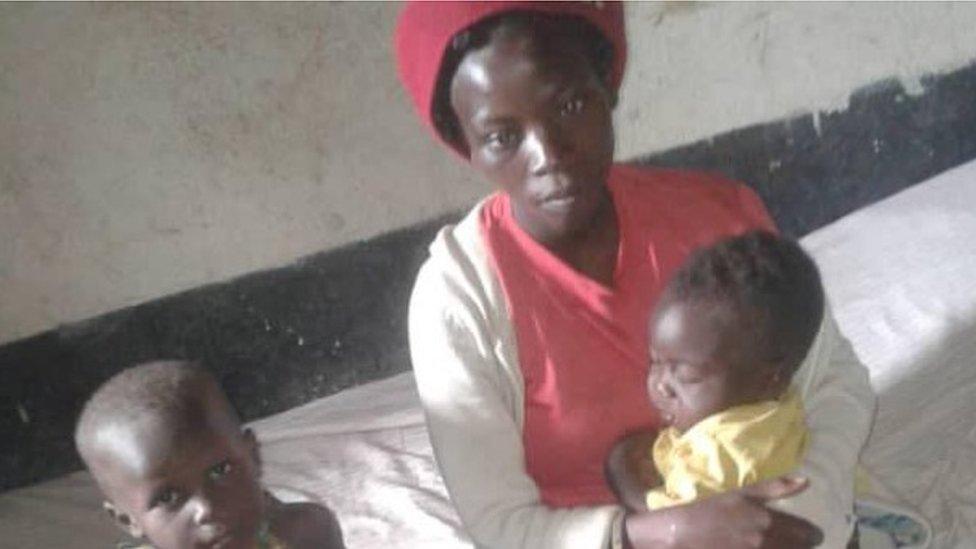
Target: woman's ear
613	97
253	447
612	93
122	520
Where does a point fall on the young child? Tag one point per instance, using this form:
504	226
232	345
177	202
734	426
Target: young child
178	471
726	337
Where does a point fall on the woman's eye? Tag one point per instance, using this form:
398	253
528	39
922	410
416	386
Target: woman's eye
573	106
501	139
219	471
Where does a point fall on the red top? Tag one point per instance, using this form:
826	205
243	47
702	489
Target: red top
582	346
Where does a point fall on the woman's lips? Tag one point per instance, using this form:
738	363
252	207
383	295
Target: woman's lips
221	542
560	203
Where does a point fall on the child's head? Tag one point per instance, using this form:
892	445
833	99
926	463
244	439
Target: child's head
732	327
169	454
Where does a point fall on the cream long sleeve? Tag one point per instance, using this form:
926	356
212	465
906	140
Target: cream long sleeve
465	361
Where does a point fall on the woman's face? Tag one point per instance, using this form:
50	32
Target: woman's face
537	121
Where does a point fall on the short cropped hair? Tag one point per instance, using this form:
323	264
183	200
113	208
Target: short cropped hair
160	388
766	276
595	46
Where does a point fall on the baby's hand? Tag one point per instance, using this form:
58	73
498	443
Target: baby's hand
640	462
630	470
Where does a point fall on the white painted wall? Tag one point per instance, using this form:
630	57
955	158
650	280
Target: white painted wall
704	68
151	148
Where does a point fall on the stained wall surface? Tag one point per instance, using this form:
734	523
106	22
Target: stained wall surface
147	149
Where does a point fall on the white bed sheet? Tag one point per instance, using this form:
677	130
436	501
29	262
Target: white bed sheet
901	275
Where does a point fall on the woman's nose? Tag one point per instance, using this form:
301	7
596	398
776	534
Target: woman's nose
545	151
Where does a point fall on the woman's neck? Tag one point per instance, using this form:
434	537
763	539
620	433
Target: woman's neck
592	251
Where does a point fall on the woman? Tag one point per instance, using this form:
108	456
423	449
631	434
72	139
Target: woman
528	321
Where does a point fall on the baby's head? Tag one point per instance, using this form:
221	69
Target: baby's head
732	327
169	454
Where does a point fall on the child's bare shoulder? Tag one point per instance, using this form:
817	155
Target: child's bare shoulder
307	525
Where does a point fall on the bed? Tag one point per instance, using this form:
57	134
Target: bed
901	275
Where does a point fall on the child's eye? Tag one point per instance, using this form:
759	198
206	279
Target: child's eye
219	471
573	106
168	498
684	373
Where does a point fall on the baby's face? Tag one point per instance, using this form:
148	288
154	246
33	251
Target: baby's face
190	489
698	364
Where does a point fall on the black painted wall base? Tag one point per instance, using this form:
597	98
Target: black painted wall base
811	171
275	339
279	338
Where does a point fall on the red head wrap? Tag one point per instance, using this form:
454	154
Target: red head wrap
425	29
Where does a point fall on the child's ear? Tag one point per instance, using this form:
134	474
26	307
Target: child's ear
253	446
776	380
122	520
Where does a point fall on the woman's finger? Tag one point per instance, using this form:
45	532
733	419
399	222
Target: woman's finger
777	488
789	531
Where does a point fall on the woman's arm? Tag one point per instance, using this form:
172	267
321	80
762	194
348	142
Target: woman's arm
477	440
737	519
839	405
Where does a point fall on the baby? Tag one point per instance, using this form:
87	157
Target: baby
726	337
177	469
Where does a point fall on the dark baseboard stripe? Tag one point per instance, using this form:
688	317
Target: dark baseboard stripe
279	338
812	170
275	339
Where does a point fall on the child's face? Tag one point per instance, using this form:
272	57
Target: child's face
538	124
701	363
191	489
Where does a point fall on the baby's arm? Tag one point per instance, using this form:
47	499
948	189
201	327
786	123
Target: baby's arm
630	470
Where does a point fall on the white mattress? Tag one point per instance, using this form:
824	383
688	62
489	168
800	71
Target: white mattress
901	275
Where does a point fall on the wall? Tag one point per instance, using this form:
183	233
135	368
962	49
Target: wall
704	68
147	149
152	148
150	154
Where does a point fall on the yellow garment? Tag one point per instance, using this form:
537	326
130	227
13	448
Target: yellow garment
728	450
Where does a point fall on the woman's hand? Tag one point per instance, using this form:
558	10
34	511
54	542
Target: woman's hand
734	520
